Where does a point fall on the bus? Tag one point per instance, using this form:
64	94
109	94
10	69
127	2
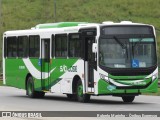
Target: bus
82	59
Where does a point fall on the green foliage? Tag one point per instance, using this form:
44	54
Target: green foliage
1	83
24	14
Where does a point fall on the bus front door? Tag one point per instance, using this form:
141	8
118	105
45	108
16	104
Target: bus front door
45	67
89	63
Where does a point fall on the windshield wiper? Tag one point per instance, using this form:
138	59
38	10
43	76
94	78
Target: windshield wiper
119	42
122	45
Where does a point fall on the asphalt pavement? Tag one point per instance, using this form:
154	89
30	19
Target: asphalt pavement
13	99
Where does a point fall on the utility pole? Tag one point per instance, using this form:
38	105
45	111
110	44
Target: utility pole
1	36
54	10
0	17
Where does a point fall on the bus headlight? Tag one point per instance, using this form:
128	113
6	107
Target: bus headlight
106	79
155	76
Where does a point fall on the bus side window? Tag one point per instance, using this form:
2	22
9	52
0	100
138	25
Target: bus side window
23	46
74	45
61	45
11	47
34	46
5	47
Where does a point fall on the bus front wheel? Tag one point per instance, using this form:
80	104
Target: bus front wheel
79	92
30	89
128	99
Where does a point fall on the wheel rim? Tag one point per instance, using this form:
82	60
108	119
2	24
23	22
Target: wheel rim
80	91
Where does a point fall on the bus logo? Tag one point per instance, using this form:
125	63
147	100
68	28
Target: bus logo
6	114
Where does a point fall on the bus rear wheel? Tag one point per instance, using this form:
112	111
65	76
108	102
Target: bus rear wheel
79	93
30	89
128	99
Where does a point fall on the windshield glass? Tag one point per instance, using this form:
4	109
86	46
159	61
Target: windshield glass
127	52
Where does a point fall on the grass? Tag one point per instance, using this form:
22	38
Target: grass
1	83
24	14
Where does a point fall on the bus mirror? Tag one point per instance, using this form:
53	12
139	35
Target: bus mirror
94	47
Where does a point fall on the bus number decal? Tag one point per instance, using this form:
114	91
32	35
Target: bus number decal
63	68
21	67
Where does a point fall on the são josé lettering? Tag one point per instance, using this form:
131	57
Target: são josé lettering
64	68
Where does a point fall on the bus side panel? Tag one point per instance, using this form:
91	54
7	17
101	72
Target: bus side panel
65	70
37	65
15	73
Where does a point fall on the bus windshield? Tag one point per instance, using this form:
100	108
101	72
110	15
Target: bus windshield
129	52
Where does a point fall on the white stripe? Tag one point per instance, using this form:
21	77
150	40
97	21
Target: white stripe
35	72
155	72
117	84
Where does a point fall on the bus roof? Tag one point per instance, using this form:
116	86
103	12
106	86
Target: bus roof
59	25
64	27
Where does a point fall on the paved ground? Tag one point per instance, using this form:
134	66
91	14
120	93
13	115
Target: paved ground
13	99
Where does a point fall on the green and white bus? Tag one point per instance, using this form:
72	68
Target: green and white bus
81	59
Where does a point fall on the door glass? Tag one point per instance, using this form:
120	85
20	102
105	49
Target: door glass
90	59
47	50
45	64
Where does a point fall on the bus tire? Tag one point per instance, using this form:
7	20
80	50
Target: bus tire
40	94
79	93
30	89
71	96
128	99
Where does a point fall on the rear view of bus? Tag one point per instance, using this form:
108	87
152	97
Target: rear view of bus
127	60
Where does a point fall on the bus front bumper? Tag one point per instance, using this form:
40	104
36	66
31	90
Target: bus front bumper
105	88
